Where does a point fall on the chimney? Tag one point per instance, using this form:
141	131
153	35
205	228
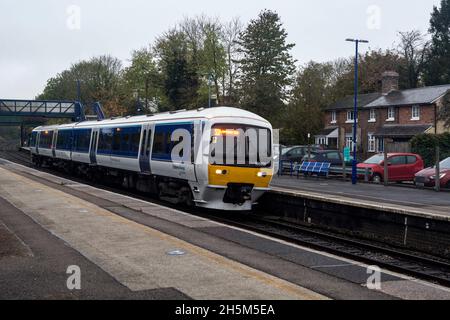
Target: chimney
389	82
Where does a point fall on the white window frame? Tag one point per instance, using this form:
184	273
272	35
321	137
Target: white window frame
391	114
380	144
322	140
349	141
372	143
372	115
415	113
350	120
333	117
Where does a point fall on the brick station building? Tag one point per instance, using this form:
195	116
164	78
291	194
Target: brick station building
391	116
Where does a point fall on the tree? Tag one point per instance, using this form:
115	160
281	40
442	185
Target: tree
213	55
437	70
99	78
266	65
372	64
179	70
142	80
231	33
413	49
311	94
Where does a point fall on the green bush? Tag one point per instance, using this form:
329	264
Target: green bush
424	145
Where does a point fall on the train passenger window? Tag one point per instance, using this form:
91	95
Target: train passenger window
126	141
82	140
162	141
105	141
134	140
46	139
158	143
64	140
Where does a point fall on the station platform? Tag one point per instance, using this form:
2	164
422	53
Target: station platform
128	248
396	199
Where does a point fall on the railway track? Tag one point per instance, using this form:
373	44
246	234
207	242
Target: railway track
414	264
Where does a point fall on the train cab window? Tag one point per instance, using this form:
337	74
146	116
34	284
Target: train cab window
82	139
46	139
241	146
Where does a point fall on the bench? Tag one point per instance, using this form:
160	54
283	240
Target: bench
314	168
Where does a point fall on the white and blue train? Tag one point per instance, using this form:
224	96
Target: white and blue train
137	153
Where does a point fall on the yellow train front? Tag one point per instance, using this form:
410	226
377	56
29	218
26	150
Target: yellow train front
239	163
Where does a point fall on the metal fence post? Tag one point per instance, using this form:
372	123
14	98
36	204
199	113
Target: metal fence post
344	173
438	171
386	168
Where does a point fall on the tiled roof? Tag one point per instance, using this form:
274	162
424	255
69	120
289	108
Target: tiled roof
348	102
326	131
426	95
401	130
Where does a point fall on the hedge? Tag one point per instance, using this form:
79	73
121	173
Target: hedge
424	144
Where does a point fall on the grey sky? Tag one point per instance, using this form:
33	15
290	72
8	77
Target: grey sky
37	43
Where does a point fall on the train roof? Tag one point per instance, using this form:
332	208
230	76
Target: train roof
203	113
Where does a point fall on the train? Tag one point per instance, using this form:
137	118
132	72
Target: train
215	158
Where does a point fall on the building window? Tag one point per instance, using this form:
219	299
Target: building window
333	117
372	115
391	114
349	141
321	141
371	143
350	116
380	144
415	113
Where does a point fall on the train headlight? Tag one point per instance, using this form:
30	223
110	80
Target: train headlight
262	174
221	172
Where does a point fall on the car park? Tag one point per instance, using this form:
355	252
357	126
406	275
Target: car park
427	177
401	167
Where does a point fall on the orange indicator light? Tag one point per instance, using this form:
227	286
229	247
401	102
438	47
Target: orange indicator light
226	132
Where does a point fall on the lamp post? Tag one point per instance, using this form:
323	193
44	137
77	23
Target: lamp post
79	90
209	90
355	111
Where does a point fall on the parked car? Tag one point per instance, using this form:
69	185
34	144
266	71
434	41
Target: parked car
401	167
427	177
296	153
334	157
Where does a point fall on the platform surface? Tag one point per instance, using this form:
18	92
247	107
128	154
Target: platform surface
133	249
421	202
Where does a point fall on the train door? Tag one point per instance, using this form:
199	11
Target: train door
93	147
38	140
55	139
145	148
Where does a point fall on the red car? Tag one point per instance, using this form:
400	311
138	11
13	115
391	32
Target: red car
401	166
427	177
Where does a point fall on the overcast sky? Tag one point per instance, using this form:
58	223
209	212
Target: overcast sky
41	38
